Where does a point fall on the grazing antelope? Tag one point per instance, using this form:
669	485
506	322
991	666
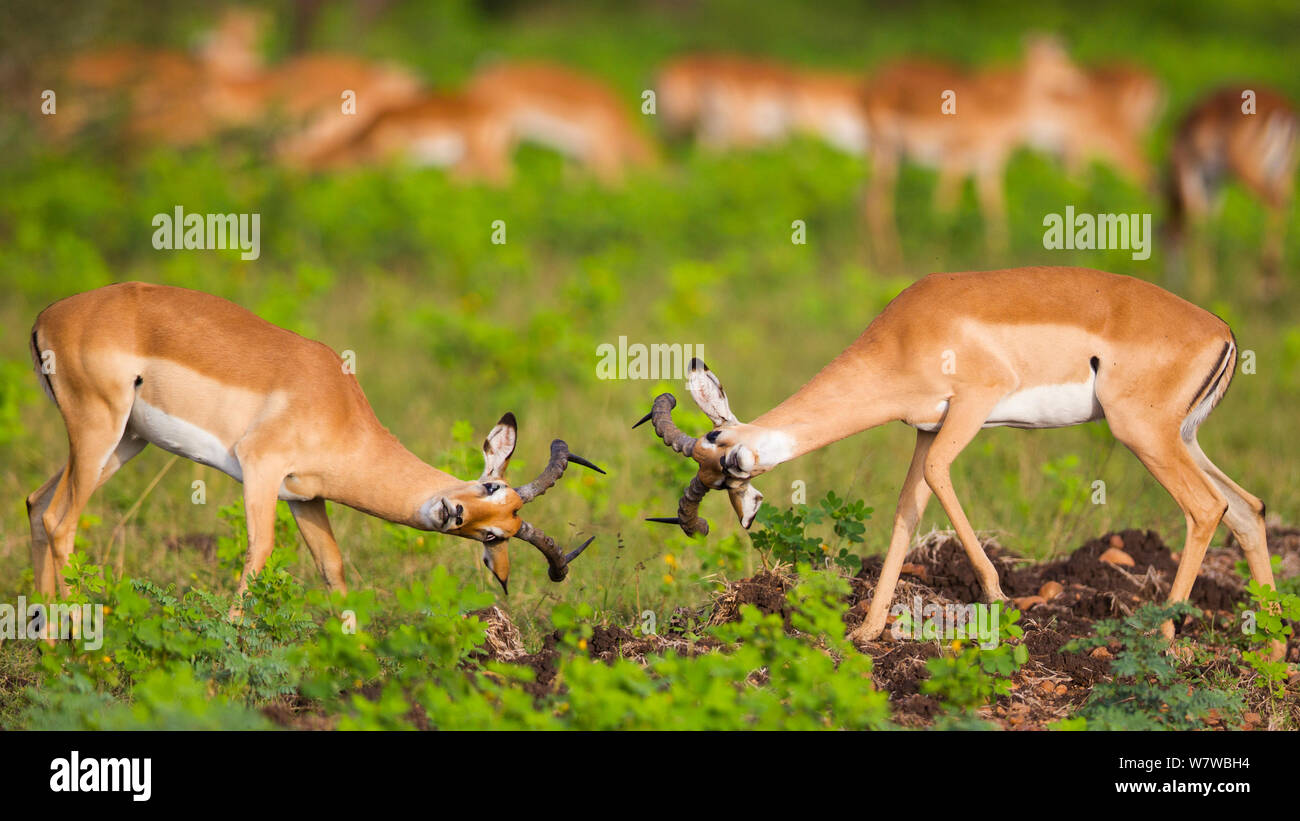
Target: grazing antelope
732	101
200	377
567	112
963	123
828	105
1103	117
1219	139
727	100
452	131
305	95
1027	348
165	92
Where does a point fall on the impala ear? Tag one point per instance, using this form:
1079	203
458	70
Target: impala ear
707	392
498	447
745	500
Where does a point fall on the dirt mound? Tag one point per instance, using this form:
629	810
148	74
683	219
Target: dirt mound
295	713
1081	588
1149	577
606	643
766	591
503	639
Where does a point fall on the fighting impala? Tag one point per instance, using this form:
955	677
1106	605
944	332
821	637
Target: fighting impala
134	363
1027	348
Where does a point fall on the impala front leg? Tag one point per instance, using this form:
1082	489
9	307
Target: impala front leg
911	505
963	420
314	525
261	491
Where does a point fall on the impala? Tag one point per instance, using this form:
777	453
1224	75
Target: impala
1219	138
1105	116
961	122
454	131
196	375
828	105
165	92
734	101
568	112
1027	348
305	96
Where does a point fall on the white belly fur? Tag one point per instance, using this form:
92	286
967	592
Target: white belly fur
557	134
176	435
1042	406
438	151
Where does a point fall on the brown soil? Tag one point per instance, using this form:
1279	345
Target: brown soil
205	544
298	714
1051	685
1053	682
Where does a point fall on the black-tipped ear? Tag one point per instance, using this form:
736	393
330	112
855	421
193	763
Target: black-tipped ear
706	390
499	446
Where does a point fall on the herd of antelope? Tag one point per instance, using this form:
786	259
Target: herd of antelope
203	378
333	111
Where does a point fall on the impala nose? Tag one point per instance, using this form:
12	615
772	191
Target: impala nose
739	461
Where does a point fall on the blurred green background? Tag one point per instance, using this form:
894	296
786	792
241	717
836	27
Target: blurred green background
451	330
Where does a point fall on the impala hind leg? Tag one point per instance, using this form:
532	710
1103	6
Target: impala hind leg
963	420
989	183
98	446
42	558
1160	448
948	189
911	505
878	209
1245	516
45	569
314	524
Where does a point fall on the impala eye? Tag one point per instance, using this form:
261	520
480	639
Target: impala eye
490	488
712	435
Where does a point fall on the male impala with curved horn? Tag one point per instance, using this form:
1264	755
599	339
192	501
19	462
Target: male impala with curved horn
201	377
1027	348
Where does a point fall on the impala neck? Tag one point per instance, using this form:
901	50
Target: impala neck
851	394
381	477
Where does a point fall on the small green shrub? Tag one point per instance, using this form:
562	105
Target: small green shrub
784	534
1149	691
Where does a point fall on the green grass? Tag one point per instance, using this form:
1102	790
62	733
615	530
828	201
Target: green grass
397	266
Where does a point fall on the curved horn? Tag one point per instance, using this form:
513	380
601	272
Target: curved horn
662	415
688	510
559	561
560	459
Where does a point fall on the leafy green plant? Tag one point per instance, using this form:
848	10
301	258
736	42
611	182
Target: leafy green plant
784	534
148	630
1270	611
967	675
1149	689
812	678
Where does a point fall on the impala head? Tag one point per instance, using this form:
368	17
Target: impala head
487	509
231	49
728	456
1048	66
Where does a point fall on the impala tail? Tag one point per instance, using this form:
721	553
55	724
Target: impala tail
42	375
